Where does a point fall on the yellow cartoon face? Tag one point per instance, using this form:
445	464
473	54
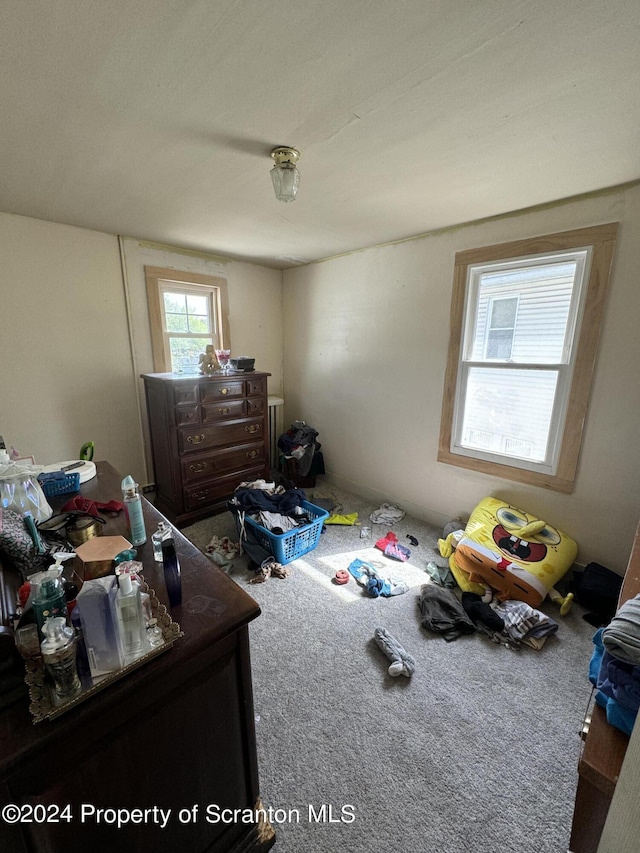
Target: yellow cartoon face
521	537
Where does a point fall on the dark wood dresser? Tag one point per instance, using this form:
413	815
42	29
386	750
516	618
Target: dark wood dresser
177	734
604	749
208	433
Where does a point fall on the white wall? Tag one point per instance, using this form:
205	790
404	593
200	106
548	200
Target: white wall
70	367
66	363
366	339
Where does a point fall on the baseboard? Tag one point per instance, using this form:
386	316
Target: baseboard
375	496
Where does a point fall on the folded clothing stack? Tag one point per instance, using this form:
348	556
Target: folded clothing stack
621	637
615	666
524	623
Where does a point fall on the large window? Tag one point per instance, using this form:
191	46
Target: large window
187	312
525	321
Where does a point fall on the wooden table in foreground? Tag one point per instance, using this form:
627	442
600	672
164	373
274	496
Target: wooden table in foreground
171	738
603	752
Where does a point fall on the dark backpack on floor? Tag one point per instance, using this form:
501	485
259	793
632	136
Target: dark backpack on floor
597	588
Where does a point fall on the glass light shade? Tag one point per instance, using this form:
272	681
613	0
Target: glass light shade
286	179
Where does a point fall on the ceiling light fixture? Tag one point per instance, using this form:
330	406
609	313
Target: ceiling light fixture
285	176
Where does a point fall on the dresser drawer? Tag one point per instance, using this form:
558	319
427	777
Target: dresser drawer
209	492
257	386
187	415
255	406
220	434
202	466
223	409
185	393
216	391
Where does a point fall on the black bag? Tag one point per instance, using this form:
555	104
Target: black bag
597	588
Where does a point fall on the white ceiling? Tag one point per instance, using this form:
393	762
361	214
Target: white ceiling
155	118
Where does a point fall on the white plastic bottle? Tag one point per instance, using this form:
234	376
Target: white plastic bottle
133	509
131	624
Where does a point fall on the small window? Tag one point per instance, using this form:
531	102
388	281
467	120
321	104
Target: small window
501	327
187	313
525	323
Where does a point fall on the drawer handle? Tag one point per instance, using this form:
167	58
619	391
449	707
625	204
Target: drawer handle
224	390
200	496
200	466
224	411
253	453
252	428
195	439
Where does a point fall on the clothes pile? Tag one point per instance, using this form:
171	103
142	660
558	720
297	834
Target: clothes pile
273	507
441	574
615	666
375	584
509	623
387	514
223	552
270	569
443	613
390	546
300	442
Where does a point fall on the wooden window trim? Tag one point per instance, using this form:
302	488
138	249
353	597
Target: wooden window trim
603	240
153	278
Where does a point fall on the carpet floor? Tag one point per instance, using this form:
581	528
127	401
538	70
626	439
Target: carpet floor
478	750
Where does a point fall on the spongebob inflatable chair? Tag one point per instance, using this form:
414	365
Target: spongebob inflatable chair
511	553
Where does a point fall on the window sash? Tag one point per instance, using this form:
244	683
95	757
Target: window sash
557	419
210	337
580	256
188	315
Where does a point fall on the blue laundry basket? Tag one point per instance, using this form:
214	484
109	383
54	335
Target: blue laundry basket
285	547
